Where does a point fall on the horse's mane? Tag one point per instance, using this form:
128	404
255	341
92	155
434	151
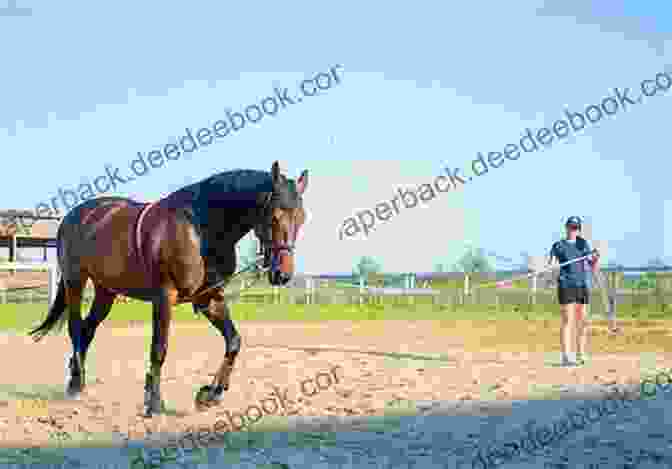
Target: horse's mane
230	189
240	181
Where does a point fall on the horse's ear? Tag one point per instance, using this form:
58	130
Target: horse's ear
302	183
275	173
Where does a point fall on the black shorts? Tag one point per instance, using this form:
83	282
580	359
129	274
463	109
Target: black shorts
574	295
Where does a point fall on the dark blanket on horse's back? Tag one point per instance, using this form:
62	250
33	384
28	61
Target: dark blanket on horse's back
224	196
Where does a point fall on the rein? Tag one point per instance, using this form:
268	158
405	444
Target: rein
255	265
250	267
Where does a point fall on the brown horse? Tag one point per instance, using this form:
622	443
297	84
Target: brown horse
177	250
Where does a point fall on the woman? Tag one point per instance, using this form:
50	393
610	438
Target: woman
573	290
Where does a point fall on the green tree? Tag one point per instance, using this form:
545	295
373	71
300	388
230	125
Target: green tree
647	280
473	261
246	251
23	230
366	265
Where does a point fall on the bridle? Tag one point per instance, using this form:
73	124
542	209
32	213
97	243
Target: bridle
263	260
264	232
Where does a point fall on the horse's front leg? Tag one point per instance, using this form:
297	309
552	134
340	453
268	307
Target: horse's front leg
220	317
162	307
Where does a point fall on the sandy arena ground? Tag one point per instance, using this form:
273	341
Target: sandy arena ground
376	362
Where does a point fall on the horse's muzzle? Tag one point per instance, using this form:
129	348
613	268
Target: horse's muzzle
282	267
277	278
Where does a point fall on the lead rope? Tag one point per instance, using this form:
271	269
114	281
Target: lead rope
509	283
252	266
608	299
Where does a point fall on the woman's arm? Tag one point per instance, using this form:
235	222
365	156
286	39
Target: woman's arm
552	257
553	260
595	261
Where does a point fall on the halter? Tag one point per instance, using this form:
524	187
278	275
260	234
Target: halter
257	265
266	239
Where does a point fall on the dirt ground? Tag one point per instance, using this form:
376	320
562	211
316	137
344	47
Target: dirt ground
374	362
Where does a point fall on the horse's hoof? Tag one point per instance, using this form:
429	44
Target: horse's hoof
207	397
76	381
74	387
73	394
154	407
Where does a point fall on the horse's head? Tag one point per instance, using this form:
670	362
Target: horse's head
282	218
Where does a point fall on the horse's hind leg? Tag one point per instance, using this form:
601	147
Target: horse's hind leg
100	309
74	289
161	315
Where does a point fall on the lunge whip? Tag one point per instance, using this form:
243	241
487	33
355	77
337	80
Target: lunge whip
509	283
608	300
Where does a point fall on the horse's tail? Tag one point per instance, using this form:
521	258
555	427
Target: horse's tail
55	316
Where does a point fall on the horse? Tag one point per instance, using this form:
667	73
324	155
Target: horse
176	250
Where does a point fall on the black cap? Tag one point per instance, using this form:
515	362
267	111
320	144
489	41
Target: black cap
573	221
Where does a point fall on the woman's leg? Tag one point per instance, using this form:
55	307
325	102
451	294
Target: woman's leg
580	330
582	325
566	329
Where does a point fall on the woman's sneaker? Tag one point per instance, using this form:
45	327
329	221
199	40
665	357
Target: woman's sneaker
568	362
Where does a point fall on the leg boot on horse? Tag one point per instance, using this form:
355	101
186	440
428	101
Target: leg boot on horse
82	333
220	318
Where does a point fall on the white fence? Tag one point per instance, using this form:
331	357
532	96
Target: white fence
401	291
311	290
52	283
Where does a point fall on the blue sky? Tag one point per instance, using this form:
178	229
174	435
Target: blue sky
425	85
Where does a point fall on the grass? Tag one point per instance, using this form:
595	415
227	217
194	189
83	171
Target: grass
23	317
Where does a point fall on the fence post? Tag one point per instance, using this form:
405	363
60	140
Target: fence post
13	252
53	283
409	282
